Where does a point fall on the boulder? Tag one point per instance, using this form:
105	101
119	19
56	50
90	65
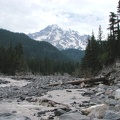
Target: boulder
97	111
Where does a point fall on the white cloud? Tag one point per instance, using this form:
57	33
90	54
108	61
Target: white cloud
33	15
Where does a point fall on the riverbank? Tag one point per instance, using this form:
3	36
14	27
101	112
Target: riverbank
30	98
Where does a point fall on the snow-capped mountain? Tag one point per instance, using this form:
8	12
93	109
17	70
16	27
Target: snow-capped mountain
61	39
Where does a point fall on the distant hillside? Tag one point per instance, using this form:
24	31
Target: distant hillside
74	54
32	48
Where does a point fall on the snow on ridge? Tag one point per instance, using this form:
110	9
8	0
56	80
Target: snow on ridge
61	39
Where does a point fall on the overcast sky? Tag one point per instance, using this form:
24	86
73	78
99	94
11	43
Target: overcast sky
30	16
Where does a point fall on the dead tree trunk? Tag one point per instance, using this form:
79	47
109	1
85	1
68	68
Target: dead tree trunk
86	80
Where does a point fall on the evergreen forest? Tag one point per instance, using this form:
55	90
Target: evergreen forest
22	55
100	53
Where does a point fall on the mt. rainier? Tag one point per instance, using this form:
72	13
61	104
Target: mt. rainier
61	39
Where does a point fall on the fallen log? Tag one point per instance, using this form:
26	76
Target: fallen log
84	80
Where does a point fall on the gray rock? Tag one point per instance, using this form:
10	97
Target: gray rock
110	115
21	98
96	119
29	99
118	102
73	116
59	112
111	102
96	111
99	93
117	108
117	94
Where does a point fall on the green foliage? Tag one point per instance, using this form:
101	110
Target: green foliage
47	66
90	61
100	53
32	49
19	53
19	63
12	60
104	58
74	54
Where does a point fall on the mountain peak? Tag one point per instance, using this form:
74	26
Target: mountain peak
62	39
54	26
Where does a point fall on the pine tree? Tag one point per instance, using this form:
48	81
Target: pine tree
118	29
112	20
100	37
19	64
112	39
90	61
118	7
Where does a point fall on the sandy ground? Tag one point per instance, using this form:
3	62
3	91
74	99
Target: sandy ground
13	82
23	108
66	96
30	109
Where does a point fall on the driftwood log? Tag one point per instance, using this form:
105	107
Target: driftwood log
102	79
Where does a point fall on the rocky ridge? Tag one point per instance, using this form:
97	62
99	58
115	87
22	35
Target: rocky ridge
60	38
35	100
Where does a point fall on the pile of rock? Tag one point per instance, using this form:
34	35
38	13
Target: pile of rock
102	101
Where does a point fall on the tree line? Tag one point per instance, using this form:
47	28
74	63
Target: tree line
47	66
13	61
99	52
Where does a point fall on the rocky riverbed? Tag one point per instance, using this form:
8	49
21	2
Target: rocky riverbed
30	98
